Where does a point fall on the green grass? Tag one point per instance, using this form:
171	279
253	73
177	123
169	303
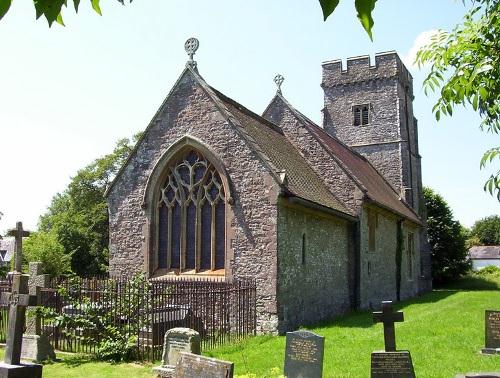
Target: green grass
444	330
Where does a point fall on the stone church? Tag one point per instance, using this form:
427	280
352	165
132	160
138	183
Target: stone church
325	218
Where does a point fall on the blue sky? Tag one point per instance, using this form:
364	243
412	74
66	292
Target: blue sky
67	94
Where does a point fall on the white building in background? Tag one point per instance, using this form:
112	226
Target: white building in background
484	255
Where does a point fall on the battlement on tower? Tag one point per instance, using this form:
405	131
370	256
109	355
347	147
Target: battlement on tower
360	69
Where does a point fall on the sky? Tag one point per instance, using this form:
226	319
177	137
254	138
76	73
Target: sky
67	94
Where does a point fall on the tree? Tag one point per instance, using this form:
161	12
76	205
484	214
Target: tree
44	247
446	238
487	230
52	10
465	69
79	216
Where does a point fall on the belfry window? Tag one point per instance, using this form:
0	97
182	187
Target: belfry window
361	114
191	216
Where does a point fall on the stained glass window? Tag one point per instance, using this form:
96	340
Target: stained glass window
191	216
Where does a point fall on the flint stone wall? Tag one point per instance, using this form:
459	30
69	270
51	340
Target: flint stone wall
318	288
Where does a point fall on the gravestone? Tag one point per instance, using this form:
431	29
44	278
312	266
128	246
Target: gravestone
177	340
18	300
194	366
491	332
390	362
304	354
478	375
36	346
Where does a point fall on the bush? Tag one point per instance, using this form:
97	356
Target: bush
487	230
45	247
447	240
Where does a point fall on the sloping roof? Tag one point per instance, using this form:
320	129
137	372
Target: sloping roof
6	249
482	252
270	140
376	188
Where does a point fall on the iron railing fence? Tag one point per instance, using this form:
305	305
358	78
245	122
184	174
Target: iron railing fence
85	308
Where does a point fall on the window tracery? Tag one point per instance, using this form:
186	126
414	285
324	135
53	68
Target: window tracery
191	216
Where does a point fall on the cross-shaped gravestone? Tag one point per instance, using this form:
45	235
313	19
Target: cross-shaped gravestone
388	317
18	234
17	300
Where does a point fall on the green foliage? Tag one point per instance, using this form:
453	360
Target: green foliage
4	7
487	230
52	9
447	240
115	330
79	215
44	247
466	70
363	7
489	271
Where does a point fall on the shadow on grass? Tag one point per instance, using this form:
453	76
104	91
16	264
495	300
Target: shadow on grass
472	282
364	318
73	361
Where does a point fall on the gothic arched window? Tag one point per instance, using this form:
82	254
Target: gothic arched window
191	216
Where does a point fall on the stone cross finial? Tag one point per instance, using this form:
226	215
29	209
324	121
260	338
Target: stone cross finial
18	234
388	317
191	46
279	79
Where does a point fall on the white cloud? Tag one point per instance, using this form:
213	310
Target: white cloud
422	39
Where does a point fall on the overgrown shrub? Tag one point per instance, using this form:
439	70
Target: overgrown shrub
115	331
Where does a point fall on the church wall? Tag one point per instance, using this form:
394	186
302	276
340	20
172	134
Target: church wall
313	286
251	229
378	267
410	282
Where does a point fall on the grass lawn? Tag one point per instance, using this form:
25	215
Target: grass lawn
444	330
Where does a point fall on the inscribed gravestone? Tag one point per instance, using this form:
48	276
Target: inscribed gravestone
390	363
492	332
194	366
304	354
177	340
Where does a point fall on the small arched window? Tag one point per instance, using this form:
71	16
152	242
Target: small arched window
191	216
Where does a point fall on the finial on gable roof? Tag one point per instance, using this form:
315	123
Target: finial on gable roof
278	79
191	46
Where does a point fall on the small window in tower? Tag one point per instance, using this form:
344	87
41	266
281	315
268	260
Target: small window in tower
361	114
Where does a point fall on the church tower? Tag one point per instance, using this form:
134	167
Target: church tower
370	109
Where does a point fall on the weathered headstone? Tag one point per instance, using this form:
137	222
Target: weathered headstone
491	332
390	363
194	366
18	300
304	354
36	346
177	340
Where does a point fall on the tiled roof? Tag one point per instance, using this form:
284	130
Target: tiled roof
485	252
373	183
301	181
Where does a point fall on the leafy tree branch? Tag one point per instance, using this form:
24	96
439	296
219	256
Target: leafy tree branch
465	70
